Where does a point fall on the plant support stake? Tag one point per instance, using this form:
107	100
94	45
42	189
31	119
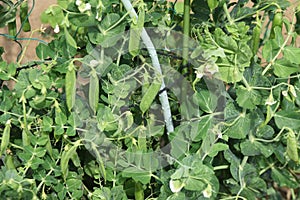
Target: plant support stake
163	97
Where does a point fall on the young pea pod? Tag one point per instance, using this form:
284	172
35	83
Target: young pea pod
149	96
70	86
94	92
66	156
25	138
256	37
5	137
277	22
23	16
292	149
12	28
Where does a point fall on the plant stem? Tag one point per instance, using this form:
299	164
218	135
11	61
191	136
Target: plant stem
227	14
163	97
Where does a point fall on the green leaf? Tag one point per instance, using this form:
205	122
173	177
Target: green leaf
216	148
179	144
106	36
240	128
199	129
44	51
265	132
289	119
248	98
137	174
212	4
270	49
106	119
53	15
177	196
207	101
225	41
292	54
176	185
230	74
283	178
254	148
193	184
284	67
82	19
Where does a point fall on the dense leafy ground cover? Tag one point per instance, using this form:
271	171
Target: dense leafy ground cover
210	111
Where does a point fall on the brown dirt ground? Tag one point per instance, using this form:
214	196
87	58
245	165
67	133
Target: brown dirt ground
12	49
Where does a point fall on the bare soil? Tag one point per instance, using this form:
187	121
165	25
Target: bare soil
12	49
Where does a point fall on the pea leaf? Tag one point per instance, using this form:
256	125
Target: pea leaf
207	101
137	174
287	118
240	129
292	54
283	178
212	4
248	98
284	67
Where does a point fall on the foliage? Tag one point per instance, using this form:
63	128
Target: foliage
101	143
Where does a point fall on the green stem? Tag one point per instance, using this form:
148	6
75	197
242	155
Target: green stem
246	83
227	14
253	13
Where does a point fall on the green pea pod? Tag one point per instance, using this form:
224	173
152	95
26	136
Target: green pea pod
5	137
12	28
292	149
256	38
94	92
70	86
149	96
25	138
70	39
138	191
277	22
49	146
297	26
66	156
23	16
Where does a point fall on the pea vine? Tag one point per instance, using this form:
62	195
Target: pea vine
193	99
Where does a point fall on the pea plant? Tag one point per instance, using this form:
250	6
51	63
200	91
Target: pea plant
152	100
